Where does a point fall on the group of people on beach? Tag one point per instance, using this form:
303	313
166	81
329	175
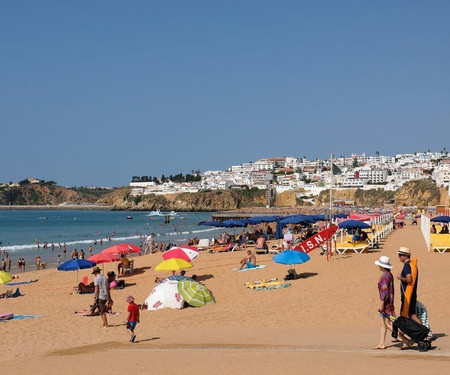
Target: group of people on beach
410	308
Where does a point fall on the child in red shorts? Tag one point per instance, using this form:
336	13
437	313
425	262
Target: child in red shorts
133	317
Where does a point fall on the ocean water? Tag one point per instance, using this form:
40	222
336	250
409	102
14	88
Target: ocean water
21	230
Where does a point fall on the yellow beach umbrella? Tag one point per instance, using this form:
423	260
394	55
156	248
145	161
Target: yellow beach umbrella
173	264
5	277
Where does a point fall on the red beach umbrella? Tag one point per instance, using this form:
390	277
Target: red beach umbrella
188	247
122	249
181	252
104	258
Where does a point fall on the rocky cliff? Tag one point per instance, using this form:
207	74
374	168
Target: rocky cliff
419	193
216	200
36	194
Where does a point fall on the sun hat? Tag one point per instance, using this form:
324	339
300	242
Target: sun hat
384	262
404	251
96	270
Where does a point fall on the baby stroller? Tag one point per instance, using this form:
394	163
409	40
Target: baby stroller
416	331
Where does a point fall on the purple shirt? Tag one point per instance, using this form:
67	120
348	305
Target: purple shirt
386	290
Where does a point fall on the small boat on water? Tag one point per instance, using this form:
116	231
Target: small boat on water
155	213
129	217
172	213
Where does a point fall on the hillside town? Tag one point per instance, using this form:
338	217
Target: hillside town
313	176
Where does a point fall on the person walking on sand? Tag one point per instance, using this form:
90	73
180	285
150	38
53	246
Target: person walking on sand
133	317
409	278
386	292
102	294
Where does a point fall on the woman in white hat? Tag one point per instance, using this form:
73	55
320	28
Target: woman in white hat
386	290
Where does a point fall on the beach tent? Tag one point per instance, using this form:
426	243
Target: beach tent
164	295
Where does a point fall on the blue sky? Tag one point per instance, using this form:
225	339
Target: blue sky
95	92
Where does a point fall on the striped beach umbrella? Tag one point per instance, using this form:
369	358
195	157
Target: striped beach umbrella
195	294
181	253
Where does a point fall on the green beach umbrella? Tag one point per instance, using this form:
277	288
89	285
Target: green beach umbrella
195	294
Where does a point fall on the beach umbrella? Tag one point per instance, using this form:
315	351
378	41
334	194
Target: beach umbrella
195	294
291	257
173	264
181	253
262	219
441	219
165	294
234	223
122	249
178	278
103	258
352	224
75	265
5	277
212	223
298	219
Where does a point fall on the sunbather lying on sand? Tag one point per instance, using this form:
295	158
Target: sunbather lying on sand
93	311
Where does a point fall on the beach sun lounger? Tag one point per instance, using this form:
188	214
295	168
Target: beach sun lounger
357	247
440	242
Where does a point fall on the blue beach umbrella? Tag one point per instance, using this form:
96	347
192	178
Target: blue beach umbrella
262	219
75	265
441	219
291	257
234	223
352	224
212	223
298	219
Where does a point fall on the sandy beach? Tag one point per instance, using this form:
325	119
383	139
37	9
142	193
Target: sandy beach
325	322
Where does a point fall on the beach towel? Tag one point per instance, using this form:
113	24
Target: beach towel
252	268
20	317
266	284
11	316
22	282
410	294
273	287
